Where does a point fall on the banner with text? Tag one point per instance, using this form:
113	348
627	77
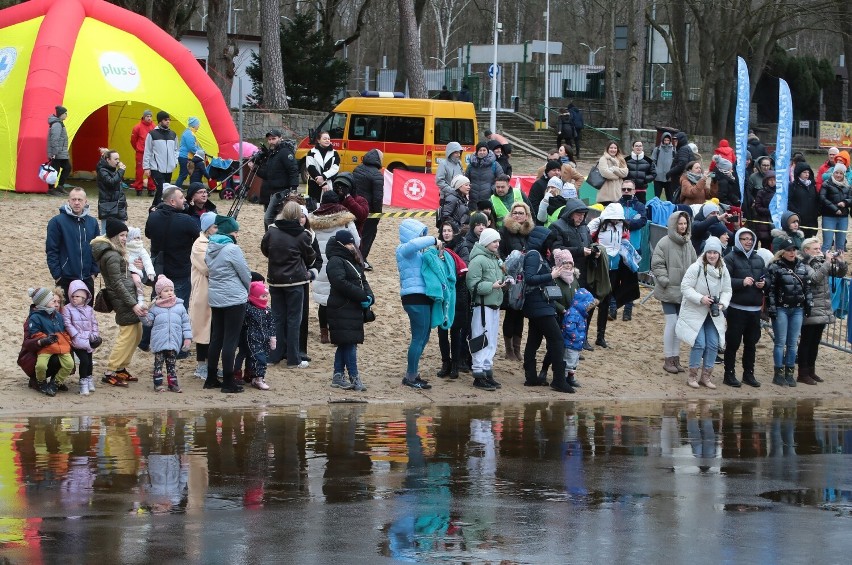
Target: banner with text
835	134
783	150
741	124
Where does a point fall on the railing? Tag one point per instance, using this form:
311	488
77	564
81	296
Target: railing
554	122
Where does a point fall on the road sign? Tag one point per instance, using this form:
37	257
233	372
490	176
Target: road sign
491	72
666	95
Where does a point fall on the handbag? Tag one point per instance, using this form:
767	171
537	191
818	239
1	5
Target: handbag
551	292
479	342
102	303
47	173
595	178
369	315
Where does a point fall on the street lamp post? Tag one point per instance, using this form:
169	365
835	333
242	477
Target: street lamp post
592	54
236	19
493	122
547	67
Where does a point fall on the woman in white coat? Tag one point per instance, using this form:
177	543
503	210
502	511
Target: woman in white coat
706	290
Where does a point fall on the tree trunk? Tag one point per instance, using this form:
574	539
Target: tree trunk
274	90
610	72
221	51
410	46
846	14
634	82
680	94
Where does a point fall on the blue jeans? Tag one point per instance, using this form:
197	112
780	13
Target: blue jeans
786	326
706	345
183	171
829	223
345	356
420	319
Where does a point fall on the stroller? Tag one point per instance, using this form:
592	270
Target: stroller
224	174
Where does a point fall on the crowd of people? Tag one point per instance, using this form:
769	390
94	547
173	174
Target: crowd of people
543	259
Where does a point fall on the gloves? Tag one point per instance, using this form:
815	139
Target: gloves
48	340
367	303
273	343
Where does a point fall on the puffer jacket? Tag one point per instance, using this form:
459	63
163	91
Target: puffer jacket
831	195
279	172
726	188
671	258
325	221
465	245
369	180
741	265
41	324
641	171
524	237
798	236
761	213
574	320
537	273
613	171
109	192
57	138
173	232
119	286
169	326
287	245
80	321
448	169
701	280
228	273
349	288
822	269
161	150
788	286
413	239
803	199
69	254
573	238
456	208
482	174
483	271
683	155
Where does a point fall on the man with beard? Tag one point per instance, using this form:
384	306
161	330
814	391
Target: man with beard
279	170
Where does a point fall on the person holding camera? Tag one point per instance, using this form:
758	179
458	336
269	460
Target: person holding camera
788	302
706	291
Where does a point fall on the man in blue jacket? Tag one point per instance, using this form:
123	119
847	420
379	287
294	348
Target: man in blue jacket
69	254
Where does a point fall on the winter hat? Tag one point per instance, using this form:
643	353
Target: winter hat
329	197
784	244
718	229
562	256
304	210
723	164
488	236
200	153
713	244
709	208
748	156
162	115
459	181
41	296
114	227
493	144
134	234
193	122
255	277
840	167
484	205
163	283
478	218
256	290
193	188
227	225
344	237
147	113
550	165
767	176
207	220
480	145
556	182
61	110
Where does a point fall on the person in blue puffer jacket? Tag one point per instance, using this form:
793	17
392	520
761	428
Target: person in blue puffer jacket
188	144
170	333
413	240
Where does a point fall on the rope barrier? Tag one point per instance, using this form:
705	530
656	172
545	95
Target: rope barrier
800	227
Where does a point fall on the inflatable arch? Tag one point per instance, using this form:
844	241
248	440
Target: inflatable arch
106	65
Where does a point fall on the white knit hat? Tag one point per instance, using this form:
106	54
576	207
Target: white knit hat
488	236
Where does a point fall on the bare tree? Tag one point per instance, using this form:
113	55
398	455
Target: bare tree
411	58
447	14
274	90
633	83
221	50
173	16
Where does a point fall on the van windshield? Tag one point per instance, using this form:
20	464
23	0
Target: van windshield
453	129
334	124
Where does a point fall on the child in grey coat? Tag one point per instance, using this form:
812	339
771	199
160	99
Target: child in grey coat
170	332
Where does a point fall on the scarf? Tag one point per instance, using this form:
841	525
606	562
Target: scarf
568	276
806	182
166	302
637	156
693	177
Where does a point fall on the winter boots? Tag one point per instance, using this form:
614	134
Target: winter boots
789	375
706	379
446	365
748	378
516	347
669	365
805	376
508	342
489	378
480	381
627	315
778	377
692	379
730	379
324	335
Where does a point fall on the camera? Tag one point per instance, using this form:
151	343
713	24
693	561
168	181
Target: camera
714	306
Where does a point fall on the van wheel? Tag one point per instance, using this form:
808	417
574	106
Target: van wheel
393	166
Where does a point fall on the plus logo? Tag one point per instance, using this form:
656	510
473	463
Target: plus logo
414	189
8	56
120	71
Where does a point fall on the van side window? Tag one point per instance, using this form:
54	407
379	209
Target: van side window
367	128
404	129
452	129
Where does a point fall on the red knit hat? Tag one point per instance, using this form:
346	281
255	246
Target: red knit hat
256	290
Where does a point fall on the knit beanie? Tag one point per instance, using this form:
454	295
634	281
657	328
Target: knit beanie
42	296
162	115
555	182
478	218
719	229
459	181
193	122
193	188
723	164
550	165
61	110
163	283
562	256
114	227
134	234
147	113
840	167
207	220
256	290
713	244
709	208
488	236
344	237
329	197
227	225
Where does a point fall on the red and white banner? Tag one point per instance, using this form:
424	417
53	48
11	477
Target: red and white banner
524	182
415	191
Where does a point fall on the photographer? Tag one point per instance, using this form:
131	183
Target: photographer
277	167
706	291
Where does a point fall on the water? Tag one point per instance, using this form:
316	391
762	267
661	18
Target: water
745	482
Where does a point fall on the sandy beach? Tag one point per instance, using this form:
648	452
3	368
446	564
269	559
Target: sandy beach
630	369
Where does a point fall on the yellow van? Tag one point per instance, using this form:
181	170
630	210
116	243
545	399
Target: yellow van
410	133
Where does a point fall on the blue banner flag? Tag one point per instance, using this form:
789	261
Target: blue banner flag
741	124
783	150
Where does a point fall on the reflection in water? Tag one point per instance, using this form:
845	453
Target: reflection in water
459	482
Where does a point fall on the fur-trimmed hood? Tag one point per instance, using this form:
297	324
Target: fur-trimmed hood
514	226
339	220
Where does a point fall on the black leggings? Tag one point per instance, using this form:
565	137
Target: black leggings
547	328
85	368
513	323
371	228
226	324
809	344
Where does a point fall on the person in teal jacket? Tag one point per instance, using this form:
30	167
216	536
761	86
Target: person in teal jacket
188	144
413	240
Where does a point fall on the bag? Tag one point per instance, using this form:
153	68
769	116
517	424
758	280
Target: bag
95	341
551	292
516	294
595	178
102	303
369	315
676	195
480	342
47	173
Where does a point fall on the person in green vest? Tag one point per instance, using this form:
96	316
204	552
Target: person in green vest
504	197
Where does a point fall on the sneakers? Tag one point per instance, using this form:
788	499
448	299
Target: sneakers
480	382
201	371
367	266
416	382
159	388
125	375
357	385
114	380
47	388
258	383
489	378
301	365
84	386
339	381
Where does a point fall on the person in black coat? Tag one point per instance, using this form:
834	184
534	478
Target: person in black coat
350	297
370	184
111	200
279	170
725	184
755	147
683	156
453	342
552	169
641	170
456	205
803	199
